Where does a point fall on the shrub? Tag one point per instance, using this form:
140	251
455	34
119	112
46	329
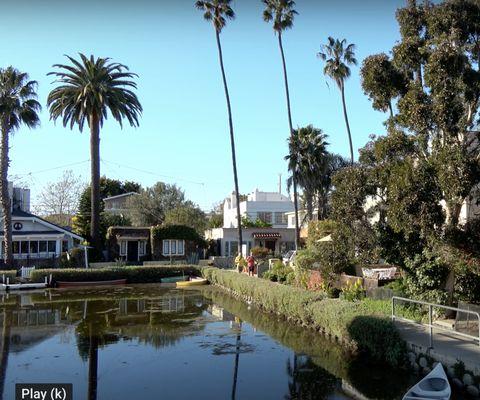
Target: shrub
131	274
353	291
261	252
379	339
335	316
8	274
280	273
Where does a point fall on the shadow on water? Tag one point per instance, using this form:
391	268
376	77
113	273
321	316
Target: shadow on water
204	334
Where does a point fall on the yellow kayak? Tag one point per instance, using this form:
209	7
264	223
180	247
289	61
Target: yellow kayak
192	282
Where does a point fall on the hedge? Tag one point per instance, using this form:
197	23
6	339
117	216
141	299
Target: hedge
8	274
131	274
363	325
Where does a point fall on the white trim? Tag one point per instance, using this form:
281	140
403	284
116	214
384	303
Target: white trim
177	253
48	224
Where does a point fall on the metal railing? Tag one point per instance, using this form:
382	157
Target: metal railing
430	324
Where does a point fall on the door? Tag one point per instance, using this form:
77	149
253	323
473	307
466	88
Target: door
132	250
270	245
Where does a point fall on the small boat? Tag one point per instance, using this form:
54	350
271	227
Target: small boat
22	286
63	284
434	386
194	281
173	279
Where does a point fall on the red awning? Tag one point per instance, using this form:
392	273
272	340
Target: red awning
266	235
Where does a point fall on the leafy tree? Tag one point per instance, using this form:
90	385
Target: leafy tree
218	11
152	204
439	99
282	14
18	106
188	215
108	187
381	81
338	55
87	90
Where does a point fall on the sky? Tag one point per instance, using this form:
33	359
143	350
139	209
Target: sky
183	136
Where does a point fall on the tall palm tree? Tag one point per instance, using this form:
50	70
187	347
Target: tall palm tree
87	90
18	105
282	13
333	163
307	160
218	11
338	55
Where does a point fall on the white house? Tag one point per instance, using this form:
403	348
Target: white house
268	207
34	238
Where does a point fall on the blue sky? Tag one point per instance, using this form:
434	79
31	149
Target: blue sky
183	133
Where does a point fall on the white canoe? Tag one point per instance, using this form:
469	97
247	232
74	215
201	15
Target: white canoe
434	386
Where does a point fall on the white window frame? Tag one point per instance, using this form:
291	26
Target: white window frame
171	244
123	247
142	247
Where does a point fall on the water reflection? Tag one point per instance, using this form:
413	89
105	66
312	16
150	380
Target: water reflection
143	341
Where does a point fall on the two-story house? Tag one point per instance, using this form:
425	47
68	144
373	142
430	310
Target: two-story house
268	207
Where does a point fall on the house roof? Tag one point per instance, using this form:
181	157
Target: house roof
23	214
119	196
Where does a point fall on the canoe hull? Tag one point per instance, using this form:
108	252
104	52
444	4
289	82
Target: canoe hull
193	282
62	284
433	386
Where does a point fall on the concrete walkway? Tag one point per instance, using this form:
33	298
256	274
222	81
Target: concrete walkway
448	348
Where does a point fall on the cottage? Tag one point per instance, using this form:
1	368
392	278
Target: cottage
35	240
157	243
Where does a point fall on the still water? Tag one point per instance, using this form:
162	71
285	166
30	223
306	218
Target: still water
151	342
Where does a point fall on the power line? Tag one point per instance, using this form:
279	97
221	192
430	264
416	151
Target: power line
153	173
18	176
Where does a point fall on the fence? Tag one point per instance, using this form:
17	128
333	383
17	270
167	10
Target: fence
430	324
25	272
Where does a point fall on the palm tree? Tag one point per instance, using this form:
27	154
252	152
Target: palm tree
282	13
87	90
333	163
218	11
307	161
18	105
338	55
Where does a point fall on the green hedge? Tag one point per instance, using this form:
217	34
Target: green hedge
8	274
132	274
339	318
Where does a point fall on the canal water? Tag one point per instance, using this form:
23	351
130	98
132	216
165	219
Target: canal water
150	342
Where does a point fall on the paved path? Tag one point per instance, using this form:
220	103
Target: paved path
447	347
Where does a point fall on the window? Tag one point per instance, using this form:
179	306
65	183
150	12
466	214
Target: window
24	247
180	246
141	247
280	218
52	246
64	246
265	217
233	248
33	247
173	247
166	247
42	246
123	247
16	247
227	249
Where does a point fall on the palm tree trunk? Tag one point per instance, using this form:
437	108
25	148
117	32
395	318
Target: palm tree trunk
5	199
232	143
237	359
294	177
92	365
309	201
95	183
342	89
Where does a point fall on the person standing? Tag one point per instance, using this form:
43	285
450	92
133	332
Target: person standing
251	264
